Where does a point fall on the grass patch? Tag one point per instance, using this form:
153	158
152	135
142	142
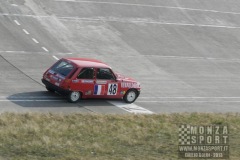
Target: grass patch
96	136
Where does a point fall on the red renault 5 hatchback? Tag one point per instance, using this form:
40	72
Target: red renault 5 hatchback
88	78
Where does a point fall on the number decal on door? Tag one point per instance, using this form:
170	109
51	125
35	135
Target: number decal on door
112	89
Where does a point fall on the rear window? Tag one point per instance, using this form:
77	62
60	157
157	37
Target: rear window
63	68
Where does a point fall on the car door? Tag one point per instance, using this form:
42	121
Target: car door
84	81
106	85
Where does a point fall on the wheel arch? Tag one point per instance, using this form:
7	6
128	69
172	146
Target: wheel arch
137	91
126	95
69	96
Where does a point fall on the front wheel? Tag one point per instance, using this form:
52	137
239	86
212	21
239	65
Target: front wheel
130	96
73	96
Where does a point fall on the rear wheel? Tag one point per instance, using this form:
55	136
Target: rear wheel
50	89
74	96
130	96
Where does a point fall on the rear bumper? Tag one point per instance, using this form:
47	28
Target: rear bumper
54	87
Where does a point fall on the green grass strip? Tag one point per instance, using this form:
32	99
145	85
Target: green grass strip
102	137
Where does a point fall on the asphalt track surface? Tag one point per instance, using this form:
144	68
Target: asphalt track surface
185	53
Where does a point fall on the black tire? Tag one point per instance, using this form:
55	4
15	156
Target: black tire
74	97
50	89
130	96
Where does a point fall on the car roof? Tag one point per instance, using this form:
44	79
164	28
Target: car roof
87	62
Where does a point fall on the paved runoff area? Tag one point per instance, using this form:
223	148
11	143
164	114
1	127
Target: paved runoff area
185	53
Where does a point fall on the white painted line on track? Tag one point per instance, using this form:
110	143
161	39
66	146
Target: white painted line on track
55	58
183	57
35	40
124	21
29	52
45	49
25	15
13	51
145	21
155	56
30	100
210	101
25	31
188	100
15	5
17	22
152	6
132	108
188	97
194	58
28	97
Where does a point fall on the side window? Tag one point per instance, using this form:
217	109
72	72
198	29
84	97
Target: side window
104	73
86	73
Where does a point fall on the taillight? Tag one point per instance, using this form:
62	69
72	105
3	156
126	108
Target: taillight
67	81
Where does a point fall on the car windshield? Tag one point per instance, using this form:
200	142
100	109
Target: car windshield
63	68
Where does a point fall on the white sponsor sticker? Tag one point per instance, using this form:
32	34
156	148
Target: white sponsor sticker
87	81
129	85
101	82
75	81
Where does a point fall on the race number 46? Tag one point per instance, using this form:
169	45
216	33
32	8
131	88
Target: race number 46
112	89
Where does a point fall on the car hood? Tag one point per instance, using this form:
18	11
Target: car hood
123	78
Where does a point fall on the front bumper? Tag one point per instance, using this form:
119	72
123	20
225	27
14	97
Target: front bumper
55	88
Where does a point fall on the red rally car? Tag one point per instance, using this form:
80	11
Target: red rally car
88	78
